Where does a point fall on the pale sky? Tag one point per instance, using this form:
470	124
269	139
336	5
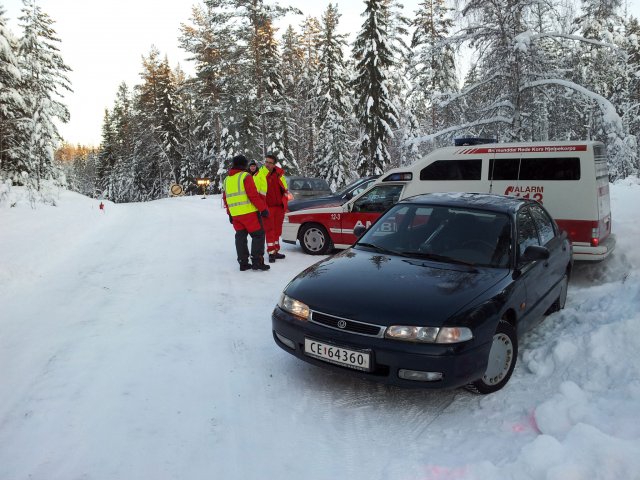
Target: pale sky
103	41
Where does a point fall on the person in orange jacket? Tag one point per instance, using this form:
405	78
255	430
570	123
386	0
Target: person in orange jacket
276	203
246	209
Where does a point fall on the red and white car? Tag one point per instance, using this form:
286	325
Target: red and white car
319	230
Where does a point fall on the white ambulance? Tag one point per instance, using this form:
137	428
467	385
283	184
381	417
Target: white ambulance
570	178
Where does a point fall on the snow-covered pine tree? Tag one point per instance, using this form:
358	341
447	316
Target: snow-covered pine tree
292	61
632	110
432	65
115	162
334	108
157	152
605	72
310	41
11	103
403	150
272	104
515	64
374	108
212	43
44	81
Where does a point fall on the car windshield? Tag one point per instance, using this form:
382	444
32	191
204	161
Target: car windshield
443	234
349	187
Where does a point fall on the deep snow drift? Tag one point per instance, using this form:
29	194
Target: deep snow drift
131	347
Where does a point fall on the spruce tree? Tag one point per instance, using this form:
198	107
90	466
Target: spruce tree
293	80
157	152
432	69
375	111
211	40
11	103
332	96
44	81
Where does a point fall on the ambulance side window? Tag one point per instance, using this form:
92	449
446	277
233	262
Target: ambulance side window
378	199
552	168
452	170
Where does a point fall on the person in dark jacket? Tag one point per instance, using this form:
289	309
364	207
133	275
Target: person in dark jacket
245	208
253	168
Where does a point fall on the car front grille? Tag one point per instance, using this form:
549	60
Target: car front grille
346	325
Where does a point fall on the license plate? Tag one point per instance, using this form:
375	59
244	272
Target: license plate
357	359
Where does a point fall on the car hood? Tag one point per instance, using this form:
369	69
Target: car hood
388	289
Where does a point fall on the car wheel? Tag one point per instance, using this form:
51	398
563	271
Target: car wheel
314	239
501	362
562	297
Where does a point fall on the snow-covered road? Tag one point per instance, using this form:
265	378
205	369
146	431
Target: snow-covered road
131	347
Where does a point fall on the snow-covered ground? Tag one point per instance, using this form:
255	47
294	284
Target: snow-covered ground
131	347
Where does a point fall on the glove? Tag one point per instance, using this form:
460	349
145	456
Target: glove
264	213
230	219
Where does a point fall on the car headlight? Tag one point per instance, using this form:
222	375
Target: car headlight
409	333
293	306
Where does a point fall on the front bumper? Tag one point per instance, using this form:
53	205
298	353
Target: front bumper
290	232
459	364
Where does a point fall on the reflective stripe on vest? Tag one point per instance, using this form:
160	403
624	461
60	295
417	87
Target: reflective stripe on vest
237	199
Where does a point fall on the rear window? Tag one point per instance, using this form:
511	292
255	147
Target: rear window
452	170
551	168
308	184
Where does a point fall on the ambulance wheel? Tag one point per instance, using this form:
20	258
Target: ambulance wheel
314	239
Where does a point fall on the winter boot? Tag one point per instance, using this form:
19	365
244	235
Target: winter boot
272	258
245	266
258	264
278	256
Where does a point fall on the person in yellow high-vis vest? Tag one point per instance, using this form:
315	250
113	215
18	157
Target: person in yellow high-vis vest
246	208
272	178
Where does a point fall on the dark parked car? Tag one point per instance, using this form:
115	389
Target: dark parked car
305	187
435	294
338	198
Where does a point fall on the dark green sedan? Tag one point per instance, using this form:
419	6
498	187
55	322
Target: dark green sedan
435	294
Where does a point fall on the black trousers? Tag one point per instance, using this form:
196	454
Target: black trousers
257	246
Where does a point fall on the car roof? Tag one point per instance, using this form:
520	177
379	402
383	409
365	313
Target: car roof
481	201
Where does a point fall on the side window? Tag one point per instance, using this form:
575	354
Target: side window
552	168
527	233
378	199
452	170
544	224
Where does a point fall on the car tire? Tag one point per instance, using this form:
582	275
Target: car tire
501	362
314	239
562	297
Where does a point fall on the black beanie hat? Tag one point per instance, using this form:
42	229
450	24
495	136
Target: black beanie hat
239	161
253	162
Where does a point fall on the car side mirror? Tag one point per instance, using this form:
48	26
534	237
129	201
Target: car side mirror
535	252
359	230
348	195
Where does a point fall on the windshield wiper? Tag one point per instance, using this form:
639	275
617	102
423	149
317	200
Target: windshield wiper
437	258
380	249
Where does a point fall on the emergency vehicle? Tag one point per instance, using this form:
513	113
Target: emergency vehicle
570	178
